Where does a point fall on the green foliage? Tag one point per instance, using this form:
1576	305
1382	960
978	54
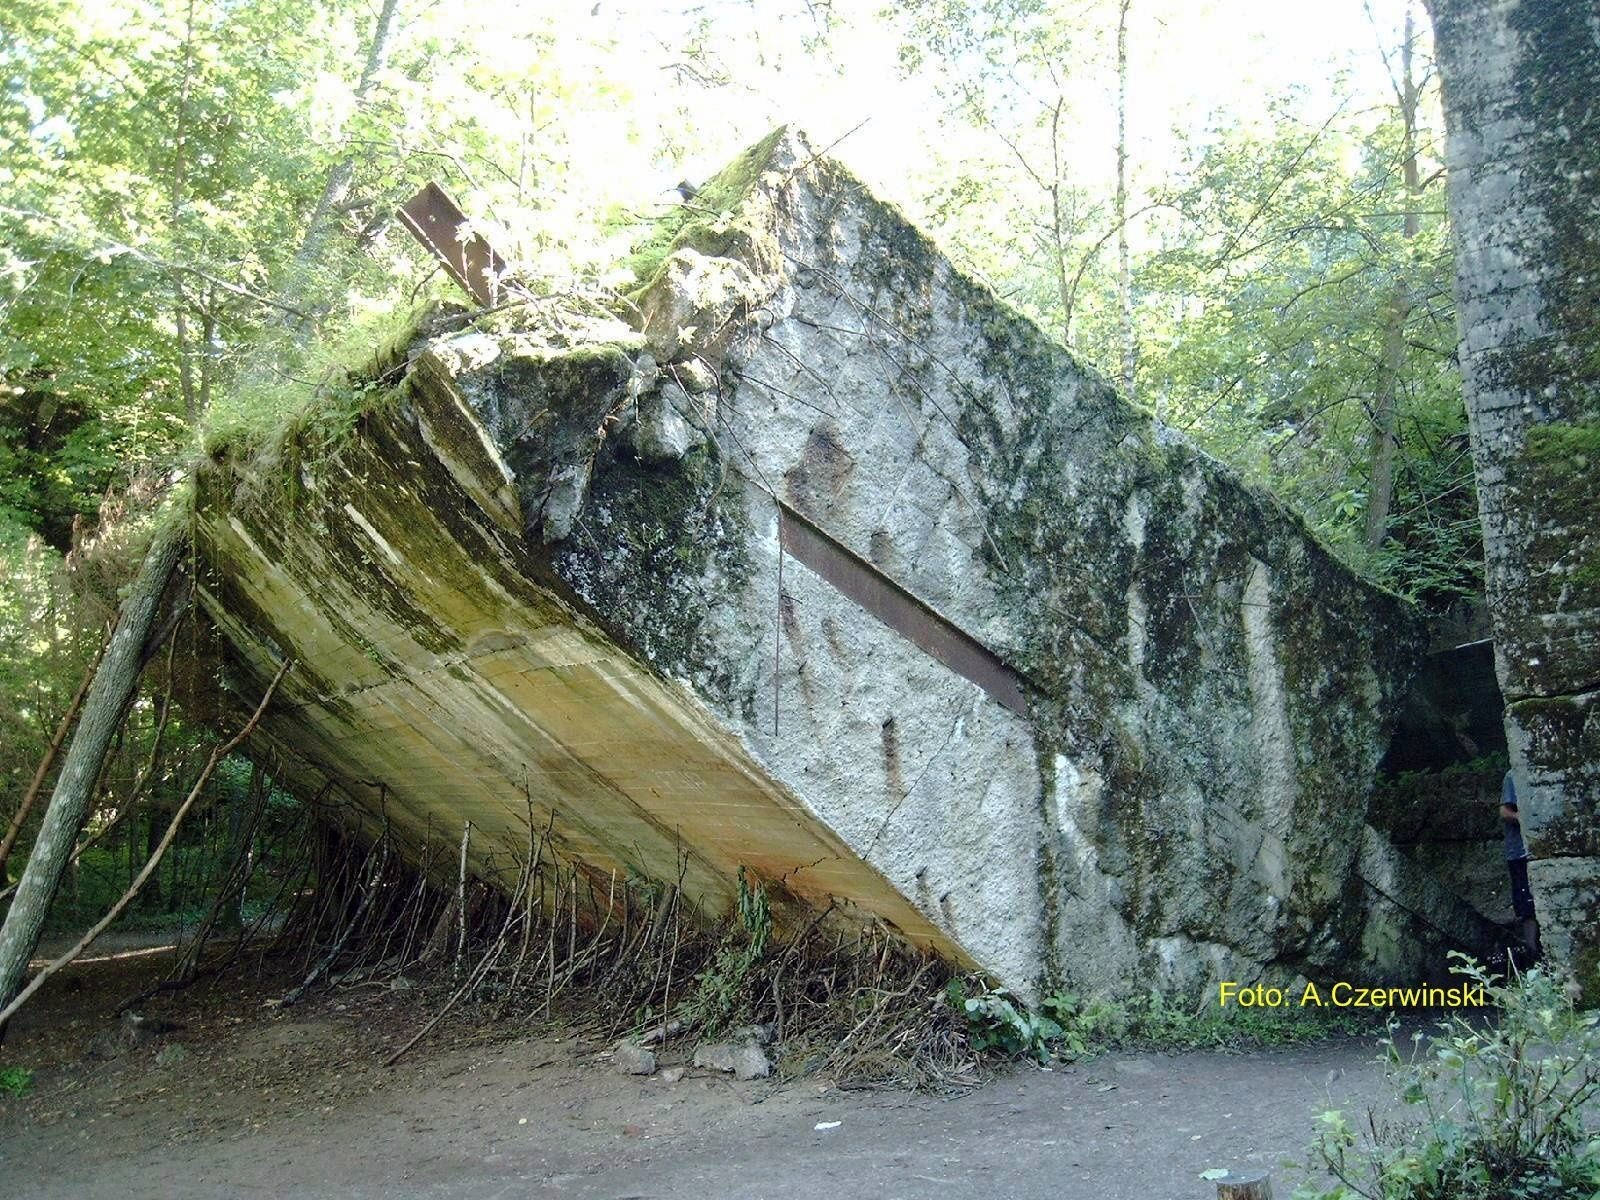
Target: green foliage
722	989
46	639
197	198
1288	261
339	378
1289	275
15	1081
1065	1026
163	163
997	1021
1505	1109
708	218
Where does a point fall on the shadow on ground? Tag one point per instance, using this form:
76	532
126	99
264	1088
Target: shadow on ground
263	1101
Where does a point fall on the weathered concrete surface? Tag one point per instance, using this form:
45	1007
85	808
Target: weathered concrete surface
440	681
560	554
1519	81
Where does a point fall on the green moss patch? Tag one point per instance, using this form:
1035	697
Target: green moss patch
710	221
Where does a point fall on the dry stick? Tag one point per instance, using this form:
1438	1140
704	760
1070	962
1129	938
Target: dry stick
527	899
490	957
777	975
411	911
329	895
421	898
572	928
221	964
238	876
294	995
461	896
589	954
672	962
48	760
306	898
217	755
535	872
555	925
871	1020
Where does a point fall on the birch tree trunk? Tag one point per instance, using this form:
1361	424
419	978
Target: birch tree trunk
1520	79
103	710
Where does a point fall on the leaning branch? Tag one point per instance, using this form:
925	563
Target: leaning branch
217	755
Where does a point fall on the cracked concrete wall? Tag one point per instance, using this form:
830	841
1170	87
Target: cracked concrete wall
1209	690
1183	796
1519	81
442	677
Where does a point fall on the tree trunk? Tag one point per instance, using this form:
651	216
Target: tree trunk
1520	81
1130	349
103	711
1386	420
337	188
1386	411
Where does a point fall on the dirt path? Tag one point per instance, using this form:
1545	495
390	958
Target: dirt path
267	1102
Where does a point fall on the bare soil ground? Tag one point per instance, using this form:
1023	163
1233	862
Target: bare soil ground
293	1102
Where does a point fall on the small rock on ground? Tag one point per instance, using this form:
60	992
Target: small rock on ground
633	1059
746	1060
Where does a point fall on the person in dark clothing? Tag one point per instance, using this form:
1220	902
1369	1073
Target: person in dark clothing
1517	866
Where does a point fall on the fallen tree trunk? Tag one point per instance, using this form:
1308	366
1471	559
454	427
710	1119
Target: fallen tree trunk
103	710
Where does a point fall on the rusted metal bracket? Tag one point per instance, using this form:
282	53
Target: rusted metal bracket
436	222
899	609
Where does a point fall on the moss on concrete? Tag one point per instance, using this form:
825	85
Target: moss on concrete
711	221
658	549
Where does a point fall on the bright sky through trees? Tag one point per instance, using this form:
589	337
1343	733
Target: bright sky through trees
1192	63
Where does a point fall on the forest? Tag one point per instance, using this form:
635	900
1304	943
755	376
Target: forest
1290	241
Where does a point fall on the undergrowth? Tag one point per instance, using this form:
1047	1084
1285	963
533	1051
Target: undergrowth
535	938
321	397
1065	1026
627	956
14	1081
1503	1110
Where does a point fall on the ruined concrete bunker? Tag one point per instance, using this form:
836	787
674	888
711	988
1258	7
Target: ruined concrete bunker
814	559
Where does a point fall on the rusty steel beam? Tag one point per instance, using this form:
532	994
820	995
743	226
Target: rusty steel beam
436	222
900	610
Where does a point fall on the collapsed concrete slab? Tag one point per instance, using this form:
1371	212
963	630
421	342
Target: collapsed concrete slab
818	560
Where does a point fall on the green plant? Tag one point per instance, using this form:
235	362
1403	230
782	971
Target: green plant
15	1080
1156	1021
1064	1026
720	990
1506	1108
997	1020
